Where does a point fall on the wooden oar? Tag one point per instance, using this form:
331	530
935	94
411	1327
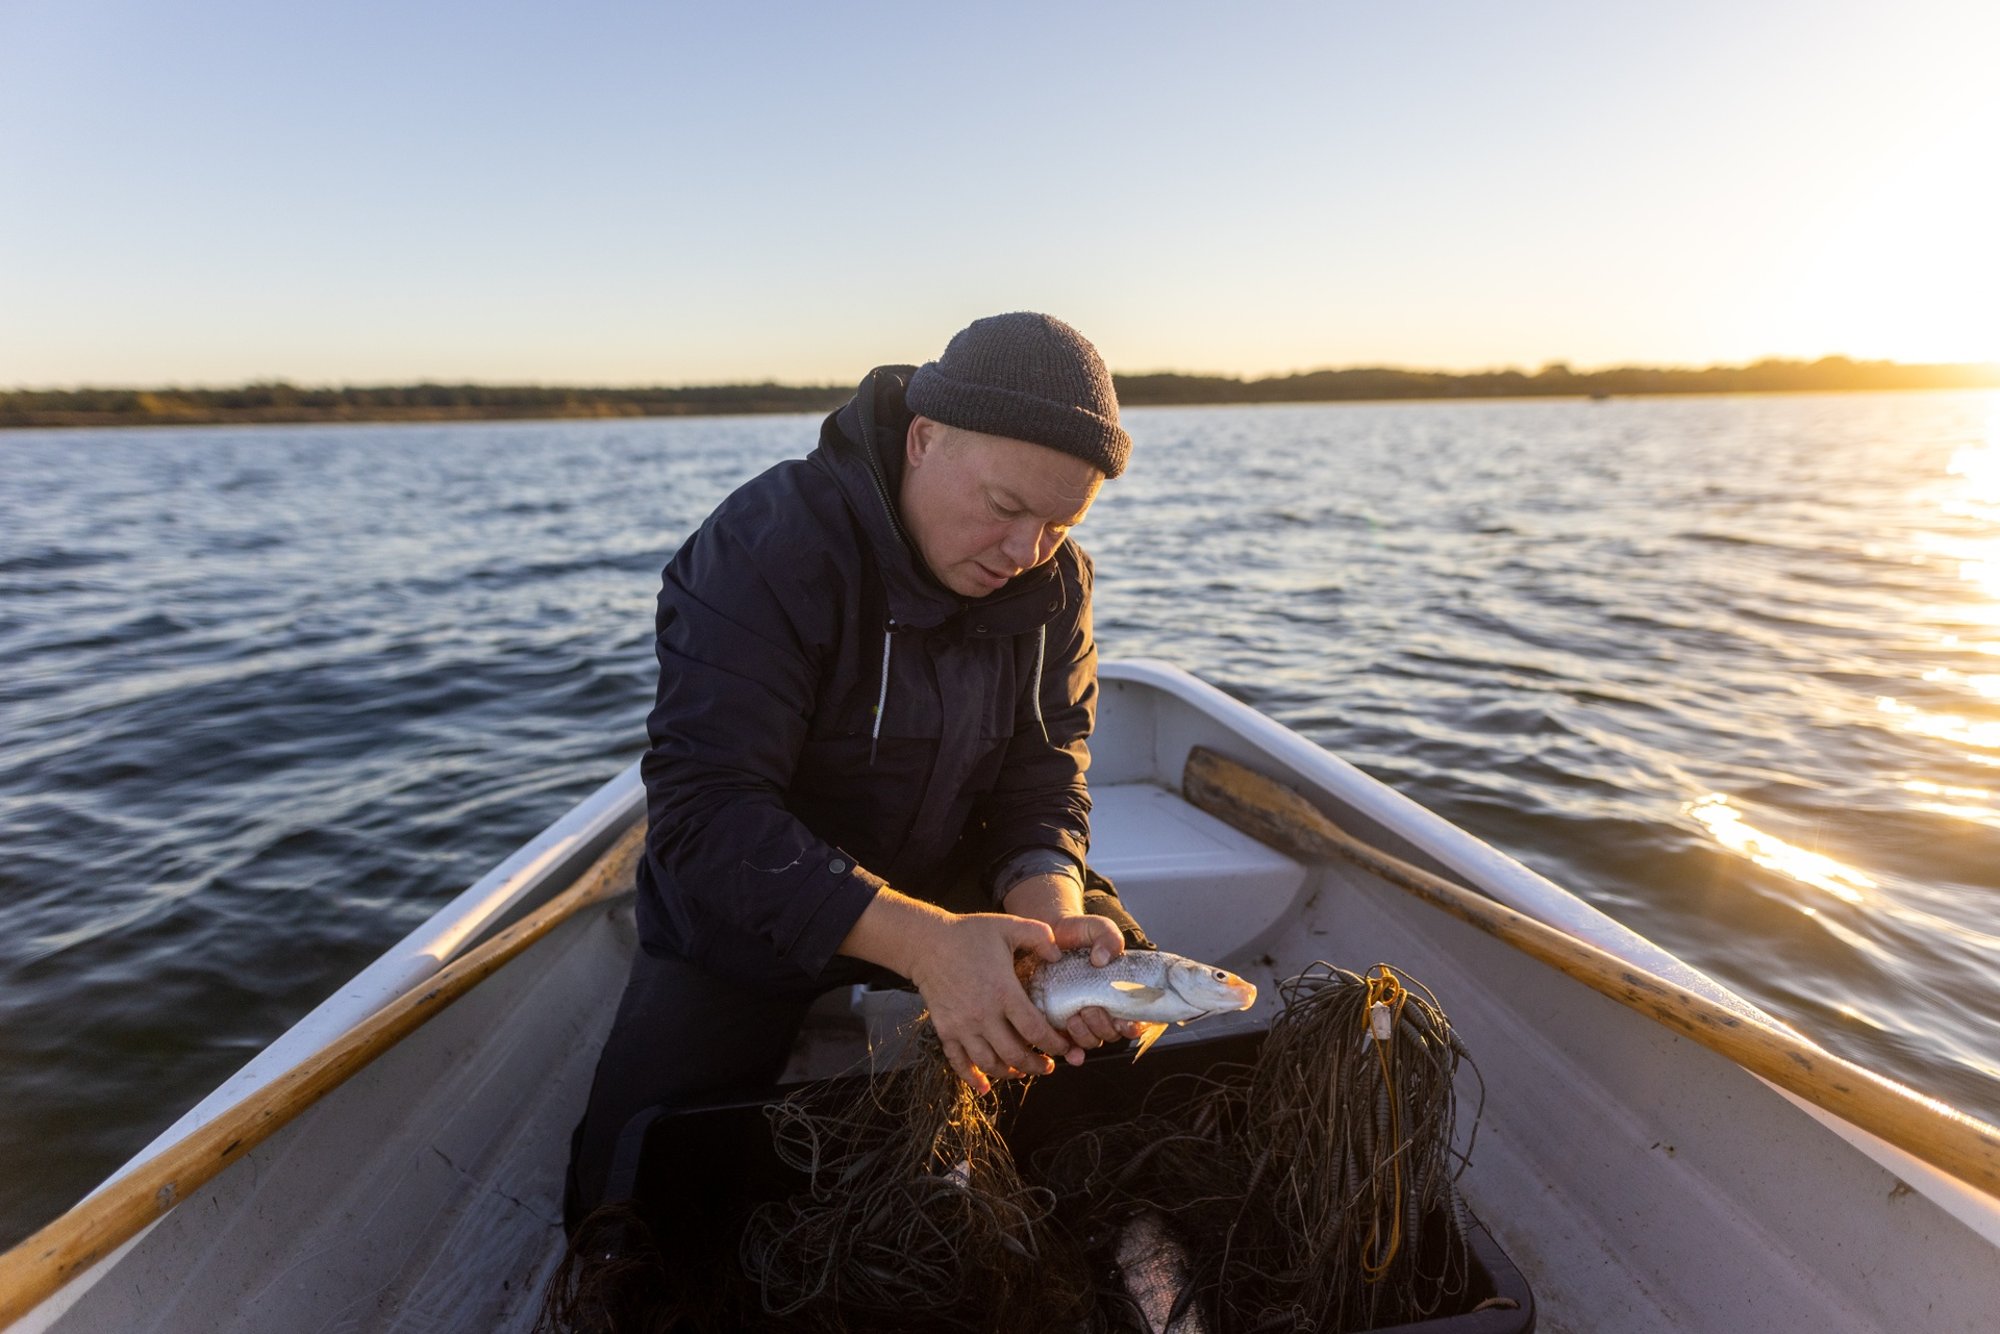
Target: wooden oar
44	1262
1941	1135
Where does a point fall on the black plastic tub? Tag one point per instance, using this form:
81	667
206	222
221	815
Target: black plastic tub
700	1172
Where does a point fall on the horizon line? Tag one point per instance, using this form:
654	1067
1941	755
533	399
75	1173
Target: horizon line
1551	366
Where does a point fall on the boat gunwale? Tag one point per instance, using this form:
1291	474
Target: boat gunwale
1509	881
534	872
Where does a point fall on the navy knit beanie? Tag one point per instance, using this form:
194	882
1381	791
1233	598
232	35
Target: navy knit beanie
1027	377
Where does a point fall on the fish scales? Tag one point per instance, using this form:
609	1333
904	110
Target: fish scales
1157	1272
1139	986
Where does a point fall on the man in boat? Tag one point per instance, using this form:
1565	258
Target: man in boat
877	684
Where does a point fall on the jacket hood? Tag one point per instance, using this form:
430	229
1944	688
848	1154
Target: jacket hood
862	445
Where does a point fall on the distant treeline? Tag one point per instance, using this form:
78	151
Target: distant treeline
1763	377
277	401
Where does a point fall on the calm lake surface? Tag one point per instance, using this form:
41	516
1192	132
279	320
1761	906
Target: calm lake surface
1729	668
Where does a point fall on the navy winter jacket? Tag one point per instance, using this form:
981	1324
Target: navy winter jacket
779	798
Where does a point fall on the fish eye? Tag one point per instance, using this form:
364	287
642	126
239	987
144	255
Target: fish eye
1221	976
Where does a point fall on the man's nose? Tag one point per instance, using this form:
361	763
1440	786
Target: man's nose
1023	545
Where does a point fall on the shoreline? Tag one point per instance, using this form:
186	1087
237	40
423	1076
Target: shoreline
602	411
279	402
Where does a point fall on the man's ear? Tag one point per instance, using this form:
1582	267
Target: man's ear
922	437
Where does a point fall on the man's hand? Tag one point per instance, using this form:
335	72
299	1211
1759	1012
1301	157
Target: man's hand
985	1020
963	965
1058	901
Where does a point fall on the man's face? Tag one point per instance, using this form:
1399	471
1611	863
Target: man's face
983	508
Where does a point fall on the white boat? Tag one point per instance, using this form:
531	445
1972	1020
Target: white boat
1637	1179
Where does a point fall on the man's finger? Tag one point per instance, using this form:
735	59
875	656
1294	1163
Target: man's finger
1017	1054
1099	935
1025	933
984	1065
1079	1030
1100	1025
967	1071
1033	1026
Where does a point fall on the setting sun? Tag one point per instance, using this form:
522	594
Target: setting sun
1906	265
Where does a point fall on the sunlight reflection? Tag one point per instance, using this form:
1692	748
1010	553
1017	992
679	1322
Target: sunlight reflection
1984	684
1856	1016
1977	497
1979	815
1959	803
1985	573
1952	727
1977	558
1990	647
1930	789
1728	827
1980	467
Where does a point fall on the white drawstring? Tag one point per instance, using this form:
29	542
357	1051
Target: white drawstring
1041	644
882	695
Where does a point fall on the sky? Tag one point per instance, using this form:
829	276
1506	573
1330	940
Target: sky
621	193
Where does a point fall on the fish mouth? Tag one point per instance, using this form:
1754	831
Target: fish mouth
1241	998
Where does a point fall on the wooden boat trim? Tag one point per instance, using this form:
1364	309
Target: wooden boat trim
121	1208
1279	814
1420	835
536	871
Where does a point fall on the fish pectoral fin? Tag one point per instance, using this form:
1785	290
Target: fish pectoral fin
1149	1034
1139	991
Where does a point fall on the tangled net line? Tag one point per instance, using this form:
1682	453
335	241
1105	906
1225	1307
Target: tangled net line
915	1216
1357	1148
1313	1190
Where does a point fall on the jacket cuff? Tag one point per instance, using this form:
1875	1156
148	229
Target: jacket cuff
1027	863
823	911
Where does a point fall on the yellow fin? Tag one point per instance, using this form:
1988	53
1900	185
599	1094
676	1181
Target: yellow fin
1148	1035
1138	990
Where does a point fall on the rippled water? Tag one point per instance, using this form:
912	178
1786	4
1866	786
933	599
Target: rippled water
1729	668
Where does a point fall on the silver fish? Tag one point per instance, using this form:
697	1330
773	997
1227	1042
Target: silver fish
1155	1268
1150	987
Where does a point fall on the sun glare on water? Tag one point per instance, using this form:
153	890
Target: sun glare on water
1956	728
1977	497
1727	826
1974	545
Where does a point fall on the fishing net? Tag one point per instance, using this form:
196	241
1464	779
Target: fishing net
1313	1189
915	1218
1309	1186
613	1279
909	1216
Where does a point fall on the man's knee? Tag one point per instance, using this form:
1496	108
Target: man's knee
681	1035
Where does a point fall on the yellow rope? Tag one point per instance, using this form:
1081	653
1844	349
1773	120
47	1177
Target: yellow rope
1386	990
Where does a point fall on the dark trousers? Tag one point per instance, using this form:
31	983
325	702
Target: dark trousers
682	1037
